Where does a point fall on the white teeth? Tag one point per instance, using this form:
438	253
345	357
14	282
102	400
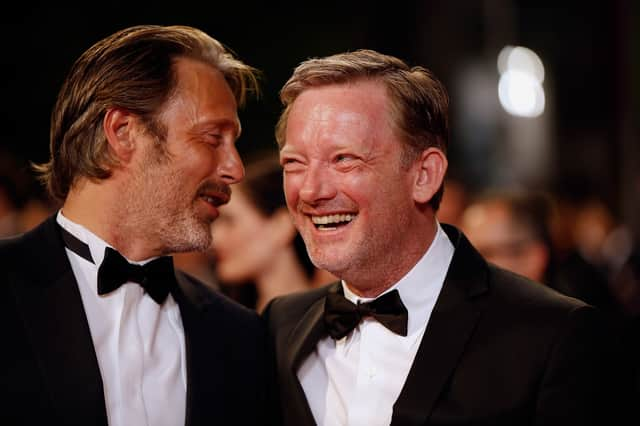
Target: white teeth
332	219
208	199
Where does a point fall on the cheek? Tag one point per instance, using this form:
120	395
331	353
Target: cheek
232	231
223	238
365	194
198	163
241	235
252	252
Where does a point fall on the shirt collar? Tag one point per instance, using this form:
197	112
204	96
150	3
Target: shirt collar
95	243
420	287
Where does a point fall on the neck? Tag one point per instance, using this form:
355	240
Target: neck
98	206
376	277
283	275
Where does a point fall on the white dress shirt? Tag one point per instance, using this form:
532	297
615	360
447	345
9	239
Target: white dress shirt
356	380
139	344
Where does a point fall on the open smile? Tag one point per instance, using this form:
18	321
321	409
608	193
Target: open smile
332	221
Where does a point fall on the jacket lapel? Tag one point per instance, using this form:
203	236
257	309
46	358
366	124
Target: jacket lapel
302	341
204	354
57	326
452	323
309	330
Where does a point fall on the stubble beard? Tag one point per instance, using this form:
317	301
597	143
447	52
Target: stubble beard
162	211
368	257
353	262
180	229
185	232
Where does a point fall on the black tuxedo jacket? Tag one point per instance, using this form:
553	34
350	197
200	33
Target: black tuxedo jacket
49	372
498	350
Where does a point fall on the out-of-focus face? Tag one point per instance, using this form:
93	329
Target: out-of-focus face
242	240
490	228
176	195
593	223
346	190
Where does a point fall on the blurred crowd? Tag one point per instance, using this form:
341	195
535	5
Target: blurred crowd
23	202
569	240
572	242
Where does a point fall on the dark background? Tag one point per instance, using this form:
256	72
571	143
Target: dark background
589	49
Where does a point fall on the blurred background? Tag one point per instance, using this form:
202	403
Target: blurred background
544	94
583	137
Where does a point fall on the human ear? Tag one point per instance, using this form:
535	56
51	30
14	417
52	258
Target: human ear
118	129
431	167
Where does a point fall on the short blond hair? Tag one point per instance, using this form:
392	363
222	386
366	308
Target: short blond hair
419	102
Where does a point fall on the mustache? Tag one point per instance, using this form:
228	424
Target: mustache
218	190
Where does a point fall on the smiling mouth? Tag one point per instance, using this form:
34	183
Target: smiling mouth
332	221
215	194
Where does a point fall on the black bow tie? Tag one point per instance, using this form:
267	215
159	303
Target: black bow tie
156	277
341	316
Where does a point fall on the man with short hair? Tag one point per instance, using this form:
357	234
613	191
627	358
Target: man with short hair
420	329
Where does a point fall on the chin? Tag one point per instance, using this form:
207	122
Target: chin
193	238
329	264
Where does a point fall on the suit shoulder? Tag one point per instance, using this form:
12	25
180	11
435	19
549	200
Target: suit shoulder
537	320
199	293
14	256
10	245
23	251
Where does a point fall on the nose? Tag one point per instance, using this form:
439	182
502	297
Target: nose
230	167
316	185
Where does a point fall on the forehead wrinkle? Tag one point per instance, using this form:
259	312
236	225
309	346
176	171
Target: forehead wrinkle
325	114
335	124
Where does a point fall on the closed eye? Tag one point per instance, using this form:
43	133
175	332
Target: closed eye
217	133
291	164
211	139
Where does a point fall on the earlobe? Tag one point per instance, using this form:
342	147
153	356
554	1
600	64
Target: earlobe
117	125
431	169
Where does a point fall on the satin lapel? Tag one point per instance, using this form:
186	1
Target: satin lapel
452	323
204	354
303	340
309	330
56	322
